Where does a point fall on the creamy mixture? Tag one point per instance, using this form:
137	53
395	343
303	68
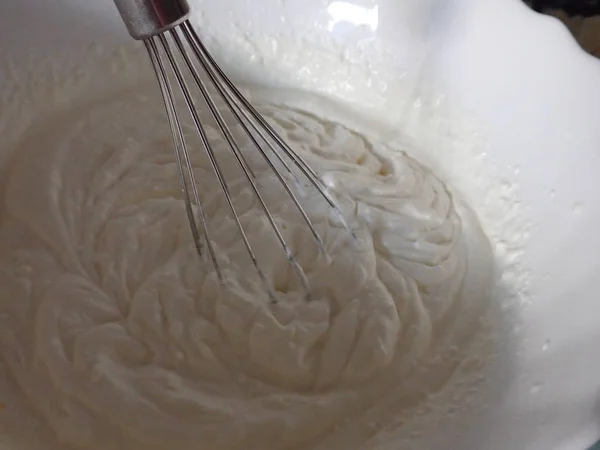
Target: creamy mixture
121	338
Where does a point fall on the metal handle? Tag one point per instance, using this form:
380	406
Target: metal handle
147	18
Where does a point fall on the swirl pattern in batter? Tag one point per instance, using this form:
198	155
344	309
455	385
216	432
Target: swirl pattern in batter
123	339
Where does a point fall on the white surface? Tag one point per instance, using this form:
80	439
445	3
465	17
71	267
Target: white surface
538	97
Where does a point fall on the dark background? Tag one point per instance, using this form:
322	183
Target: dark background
572	7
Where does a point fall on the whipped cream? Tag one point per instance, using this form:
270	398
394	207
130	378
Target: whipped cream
122	338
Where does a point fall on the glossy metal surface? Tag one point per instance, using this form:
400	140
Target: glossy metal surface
147	18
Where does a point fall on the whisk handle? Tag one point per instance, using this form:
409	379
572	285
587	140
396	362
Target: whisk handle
147	18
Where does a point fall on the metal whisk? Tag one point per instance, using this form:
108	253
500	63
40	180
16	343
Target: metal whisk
151	21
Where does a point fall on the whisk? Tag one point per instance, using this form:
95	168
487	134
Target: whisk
162	23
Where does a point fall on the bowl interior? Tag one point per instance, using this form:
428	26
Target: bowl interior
535	97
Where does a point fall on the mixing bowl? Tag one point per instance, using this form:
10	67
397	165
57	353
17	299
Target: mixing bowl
535	97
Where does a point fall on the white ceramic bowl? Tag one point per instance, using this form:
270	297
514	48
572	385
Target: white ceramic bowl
535	94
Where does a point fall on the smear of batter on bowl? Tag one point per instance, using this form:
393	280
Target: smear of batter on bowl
122	339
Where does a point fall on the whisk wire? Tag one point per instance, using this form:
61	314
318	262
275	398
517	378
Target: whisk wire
234	147
236	110
293	155
182	156
212	158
